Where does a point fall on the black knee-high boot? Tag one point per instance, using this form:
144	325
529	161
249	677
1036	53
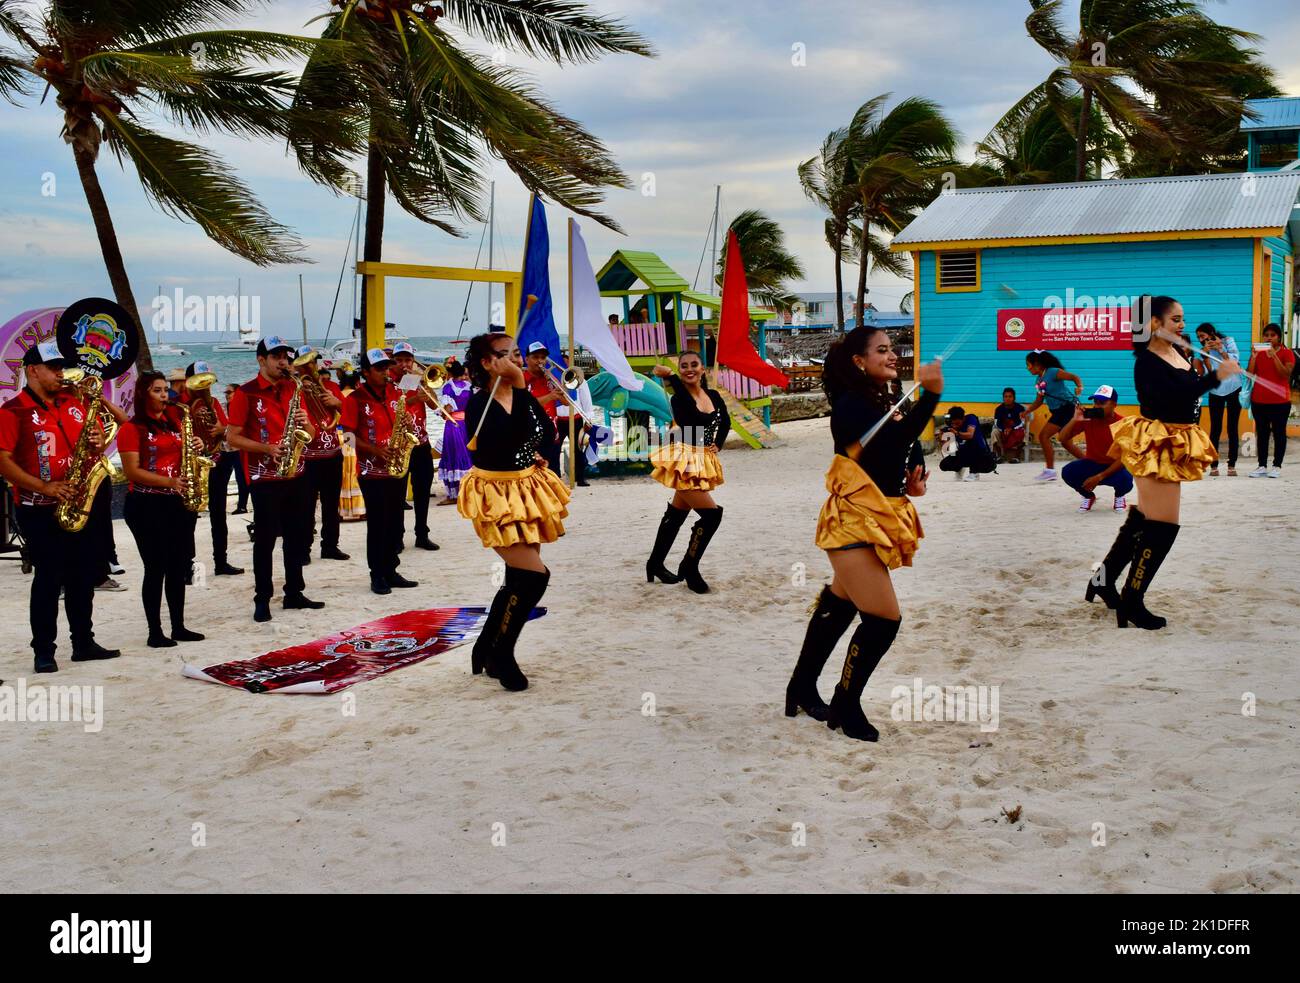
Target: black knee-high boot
488	633
867	647
829	620
701	533
1121	553
524	589
668	527
1153	545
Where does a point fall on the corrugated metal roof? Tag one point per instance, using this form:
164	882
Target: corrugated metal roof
1147	205
1274	114
626	266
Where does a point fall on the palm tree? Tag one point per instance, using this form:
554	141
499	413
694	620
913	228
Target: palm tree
112	65
895	163
824	182
433	112
1040	148
1145	63
768	264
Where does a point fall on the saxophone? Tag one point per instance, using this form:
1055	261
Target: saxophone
194	467
294	438
87	469
397	457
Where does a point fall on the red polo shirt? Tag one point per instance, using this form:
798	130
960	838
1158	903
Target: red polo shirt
158	442
539	388
41	436
371	419
259	409
415	406
326	443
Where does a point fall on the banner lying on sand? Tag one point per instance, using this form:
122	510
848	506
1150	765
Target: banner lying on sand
353	655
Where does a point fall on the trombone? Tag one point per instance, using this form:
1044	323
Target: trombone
432	378
570	379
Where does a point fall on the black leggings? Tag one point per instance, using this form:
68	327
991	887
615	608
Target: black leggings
163	529
1270	420
1231	403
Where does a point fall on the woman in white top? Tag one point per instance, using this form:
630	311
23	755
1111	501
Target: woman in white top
1226	396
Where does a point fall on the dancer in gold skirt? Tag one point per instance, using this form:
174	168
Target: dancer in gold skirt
868	526
1161	447
515	502
688	464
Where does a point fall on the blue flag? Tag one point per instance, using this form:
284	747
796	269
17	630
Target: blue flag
537	281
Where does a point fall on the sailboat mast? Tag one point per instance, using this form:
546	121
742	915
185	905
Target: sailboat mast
492	218
302	310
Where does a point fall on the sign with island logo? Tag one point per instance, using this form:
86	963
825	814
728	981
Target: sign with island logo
1065	329
98	335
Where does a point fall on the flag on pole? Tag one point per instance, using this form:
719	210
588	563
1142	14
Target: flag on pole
590	329
735	350
537	281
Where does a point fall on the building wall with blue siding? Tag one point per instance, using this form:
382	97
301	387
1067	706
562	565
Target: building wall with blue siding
1281	248
1213	278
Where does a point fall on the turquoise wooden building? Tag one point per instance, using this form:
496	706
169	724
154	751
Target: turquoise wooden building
998	266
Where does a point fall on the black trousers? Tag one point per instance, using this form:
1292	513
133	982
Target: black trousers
158	523
241	481
279	512
67	560
1270	421
421	489
324	480
970	455
384	498
218	483
100	527
1218	404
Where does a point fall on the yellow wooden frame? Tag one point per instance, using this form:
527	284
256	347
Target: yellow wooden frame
377	273
939	288
962	245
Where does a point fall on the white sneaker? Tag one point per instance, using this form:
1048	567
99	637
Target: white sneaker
1121	503
971	477
1086	505
1259	473
116	569
1275	472
1047	474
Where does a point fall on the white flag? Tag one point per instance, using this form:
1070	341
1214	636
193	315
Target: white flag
590	329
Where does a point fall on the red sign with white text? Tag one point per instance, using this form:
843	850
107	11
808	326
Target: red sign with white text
1065	329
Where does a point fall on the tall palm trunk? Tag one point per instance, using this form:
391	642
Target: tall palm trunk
839	282
1081	141
111	251
376	192
861	315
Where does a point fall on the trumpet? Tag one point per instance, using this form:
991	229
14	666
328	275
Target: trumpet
570	379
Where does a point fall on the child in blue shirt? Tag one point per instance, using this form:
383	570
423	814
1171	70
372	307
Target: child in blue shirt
1054	390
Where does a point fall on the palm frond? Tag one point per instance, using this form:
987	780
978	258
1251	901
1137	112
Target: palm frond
554	29
16	78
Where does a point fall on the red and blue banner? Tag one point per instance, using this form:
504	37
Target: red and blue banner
354	655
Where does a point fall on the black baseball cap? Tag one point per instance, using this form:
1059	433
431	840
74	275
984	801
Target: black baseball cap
273	344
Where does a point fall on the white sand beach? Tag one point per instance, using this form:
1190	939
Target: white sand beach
443	781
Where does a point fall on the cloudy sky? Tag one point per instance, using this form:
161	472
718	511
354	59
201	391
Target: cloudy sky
724	103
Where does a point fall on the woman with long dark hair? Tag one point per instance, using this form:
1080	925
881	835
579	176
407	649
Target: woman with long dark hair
1053	390
1162	447
150	447
1270	399
1225	397
688	464
515	502
867	527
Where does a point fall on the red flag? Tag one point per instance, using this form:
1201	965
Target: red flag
734	348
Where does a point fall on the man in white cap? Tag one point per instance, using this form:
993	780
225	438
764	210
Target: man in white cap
545	390
324	456
417	403
38	430
202	402
1093	465
259	413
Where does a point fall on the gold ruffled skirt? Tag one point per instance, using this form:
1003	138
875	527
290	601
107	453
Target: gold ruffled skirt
510	507
684	467
1165	451
858	513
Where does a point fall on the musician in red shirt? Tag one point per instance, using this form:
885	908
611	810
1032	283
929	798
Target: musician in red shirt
417	402
258	413
368	416
150	446
208	418
545	390
324	455
38	431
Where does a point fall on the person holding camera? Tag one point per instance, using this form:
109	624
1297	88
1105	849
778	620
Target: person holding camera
1094	465
973	455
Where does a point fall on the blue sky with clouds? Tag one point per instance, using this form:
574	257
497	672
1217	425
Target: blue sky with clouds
721	104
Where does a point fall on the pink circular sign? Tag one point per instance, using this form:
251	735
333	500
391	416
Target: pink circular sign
33	327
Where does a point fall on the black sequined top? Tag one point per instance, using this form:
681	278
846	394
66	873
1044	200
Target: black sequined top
508	442
1167	393
697	427
893	450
